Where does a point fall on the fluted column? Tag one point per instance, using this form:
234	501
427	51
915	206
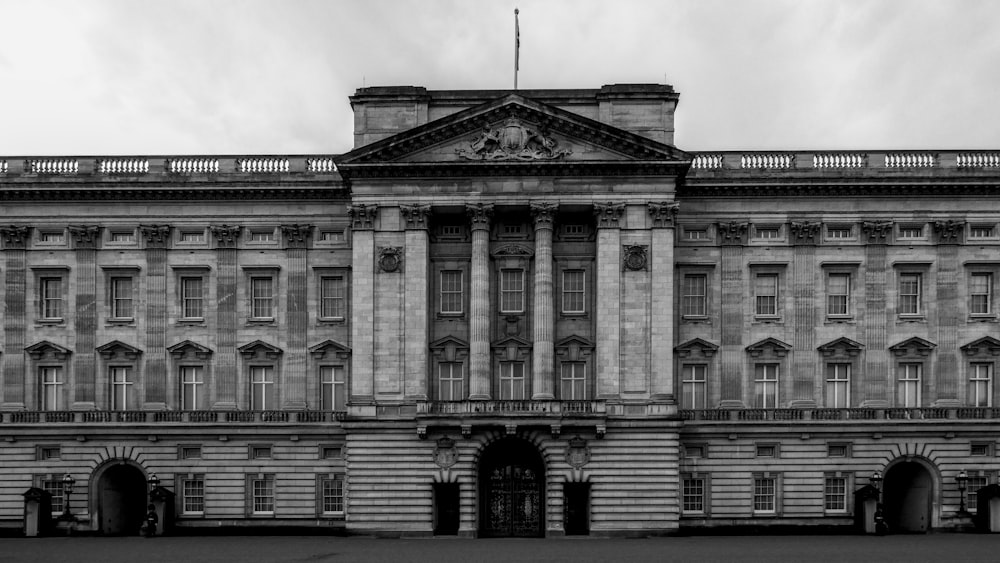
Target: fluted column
85	241
875	322
479	302
157	239
226	238
15	240
543	367
296	239
732	237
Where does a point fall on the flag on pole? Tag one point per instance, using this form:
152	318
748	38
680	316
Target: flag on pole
517	47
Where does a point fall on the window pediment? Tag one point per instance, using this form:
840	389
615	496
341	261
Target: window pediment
511	348
696	346
769	347
47	350
118	350
842	346
330	348
182	349
914	346
449	349
260	349
574	348
985	346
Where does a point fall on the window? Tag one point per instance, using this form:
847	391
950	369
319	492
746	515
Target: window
972	487
121	297
911	232
693	452
261	236
512	381
838	295
573	291
767	233
909	294
333	297
765	489
695	234
43	453
450	381
574	230
573	381
262	494
51	237
186	451
51	298
54	486
52	388
980	385
765	386
331	452
766	450
192	298
260	451
331	236
838	386
693	377
121	388
192	382
980	291
512	290
693	494
332	494
452	282
451	230
508	229
980	449
192	237
908	385
262	388
694	299
262	297
982	231
334	388
193	495
766	295
838	450
839	232
123	237
835	493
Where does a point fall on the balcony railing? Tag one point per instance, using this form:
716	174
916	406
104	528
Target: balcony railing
527	408
788	161
168	417
147	167
849	414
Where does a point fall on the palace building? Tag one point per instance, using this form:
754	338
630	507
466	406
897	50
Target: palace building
503	313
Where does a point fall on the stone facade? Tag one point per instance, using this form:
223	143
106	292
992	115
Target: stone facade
503	313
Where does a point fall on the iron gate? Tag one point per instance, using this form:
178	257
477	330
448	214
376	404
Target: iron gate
513	501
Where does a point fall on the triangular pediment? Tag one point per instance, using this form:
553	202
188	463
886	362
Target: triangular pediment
185	347
771	346
448	341
260	349
842	345
330	348
45	348
696	345
512	131
914	345
985	346
116	349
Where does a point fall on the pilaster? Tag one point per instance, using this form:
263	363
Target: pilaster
296	238
947	354
479	302
85	242
226	241
15	241
157	239
876	317
363	303
543	362
609	283
732	237
416	301
661	345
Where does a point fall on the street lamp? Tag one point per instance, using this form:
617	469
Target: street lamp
876	480
68	481
154	482
963	479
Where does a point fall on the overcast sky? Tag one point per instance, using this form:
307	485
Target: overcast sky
104	77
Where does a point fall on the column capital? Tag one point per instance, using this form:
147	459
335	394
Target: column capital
296	236
805	232
362	216
877	232
733	233
950	231
157	236
416	216
608	214
15	237
226	236
663	213
479	215
85	236
544	214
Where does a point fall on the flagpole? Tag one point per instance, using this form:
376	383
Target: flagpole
517	47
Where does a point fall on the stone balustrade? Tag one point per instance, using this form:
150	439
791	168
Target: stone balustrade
162	168
504	408
828	414
161	417
860	161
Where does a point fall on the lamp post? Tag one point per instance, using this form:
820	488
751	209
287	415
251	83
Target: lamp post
154	482
962	478
68	481
876	480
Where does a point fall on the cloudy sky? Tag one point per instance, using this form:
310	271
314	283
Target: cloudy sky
104	77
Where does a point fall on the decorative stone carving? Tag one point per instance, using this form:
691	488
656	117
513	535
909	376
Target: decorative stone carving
188	347
577	453
445	453
544	214
949	232
362	216
390	258
156	236
118	350
85	236
877	231
733	233
479	215
296	236
258	349
635	256
415	215
664	214
608	214
226	236
805	232
513	250
48	350
512	141
15	236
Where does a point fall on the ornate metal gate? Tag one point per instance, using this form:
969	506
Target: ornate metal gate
513	502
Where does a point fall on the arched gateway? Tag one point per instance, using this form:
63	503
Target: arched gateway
909	495
120	498
511	490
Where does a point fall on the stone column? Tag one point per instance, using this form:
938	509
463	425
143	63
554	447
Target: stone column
293	392
363	303
732	237
946	385
417	302
85	241
15	318
157	239
661	335
608	315
226	239
479	302
543	362
805	237
875	324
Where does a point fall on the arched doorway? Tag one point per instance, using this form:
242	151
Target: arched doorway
121	498
511	490
909	493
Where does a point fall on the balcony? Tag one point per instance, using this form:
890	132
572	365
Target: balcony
555	416
849	414
552	409
171	417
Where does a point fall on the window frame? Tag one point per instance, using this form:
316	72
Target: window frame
183	495
56	296
842	495
975	377
904	381
574	380
904	232
762	383
758	492
508	376
518	292
840	228
119	303
334	295
333	393
268	495
990	235
269	387
187	283
832	380
58	394
53	484
848	310
447	292
688	297
701	496
693	383
759	312
199	393
917	297
988	295
322	480
572	292
451	381
770	228
127	386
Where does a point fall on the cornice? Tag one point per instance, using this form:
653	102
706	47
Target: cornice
167	192
517	168
697	188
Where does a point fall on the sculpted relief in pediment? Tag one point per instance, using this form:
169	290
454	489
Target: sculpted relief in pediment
512	140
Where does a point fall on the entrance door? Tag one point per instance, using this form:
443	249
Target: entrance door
122	500
908	490
446	513
511	477
577	515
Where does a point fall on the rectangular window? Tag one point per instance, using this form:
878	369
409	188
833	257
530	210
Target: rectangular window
450	382
333	297
981	385
262	297
838	386
980	291
189	452
837	450
331	452
43	453
262	494
766	450
122	236
838	295
693	381
332	489
980	449
574	230
973	485
695	234
835	233
193	496
51	237
452	282
260	452
55	488
192	237
573	381
908	385
334	388
982	231
766	295
262	388
693	495
51	298
121	388
192	382
692	452
835	493
52	387
911	232
192	298
764	495
262	236
121	298
573	291
512	381
909	294
765	386
512	290
511	229
694	299
331	236
767	233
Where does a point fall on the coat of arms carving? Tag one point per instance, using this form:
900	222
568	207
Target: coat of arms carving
512	141
445	453
577	453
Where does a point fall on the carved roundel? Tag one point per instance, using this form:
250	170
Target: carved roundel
635	257
389	259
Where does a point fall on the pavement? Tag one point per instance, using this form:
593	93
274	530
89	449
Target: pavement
938	548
